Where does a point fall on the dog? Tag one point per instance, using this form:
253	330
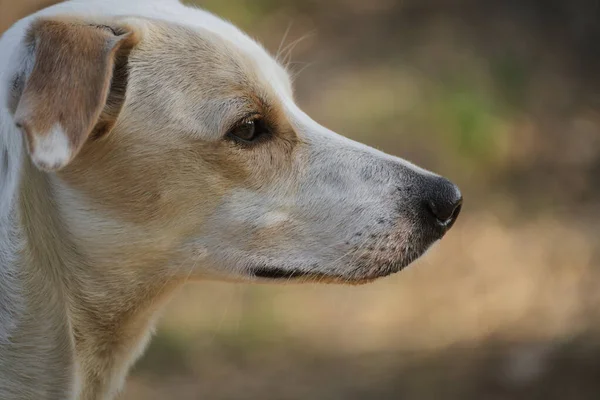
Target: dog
143	144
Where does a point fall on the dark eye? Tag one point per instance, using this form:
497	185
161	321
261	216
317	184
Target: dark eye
249	130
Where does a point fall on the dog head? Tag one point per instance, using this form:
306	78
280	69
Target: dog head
176	142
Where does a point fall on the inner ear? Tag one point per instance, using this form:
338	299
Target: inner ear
116	94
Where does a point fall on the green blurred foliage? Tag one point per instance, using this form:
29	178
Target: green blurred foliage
468	121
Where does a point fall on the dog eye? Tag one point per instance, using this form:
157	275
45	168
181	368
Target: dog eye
249	130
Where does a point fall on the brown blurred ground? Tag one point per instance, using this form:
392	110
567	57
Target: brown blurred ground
13	10
502	97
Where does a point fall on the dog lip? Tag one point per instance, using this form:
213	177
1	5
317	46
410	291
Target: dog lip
278	273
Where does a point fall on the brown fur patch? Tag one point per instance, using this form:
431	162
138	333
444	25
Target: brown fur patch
69	84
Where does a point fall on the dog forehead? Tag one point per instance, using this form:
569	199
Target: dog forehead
237	45
219	71
203	22
194	80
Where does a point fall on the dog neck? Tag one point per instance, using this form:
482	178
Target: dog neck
10	160
84	324
30	309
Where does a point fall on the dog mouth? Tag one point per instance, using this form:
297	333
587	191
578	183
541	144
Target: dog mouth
362	273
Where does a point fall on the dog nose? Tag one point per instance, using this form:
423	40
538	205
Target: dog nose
443	201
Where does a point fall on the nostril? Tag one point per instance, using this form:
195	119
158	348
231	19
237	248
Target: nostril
450	221
446	209
457	209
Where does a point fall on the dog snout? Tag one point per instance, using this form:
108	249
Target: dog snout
442	202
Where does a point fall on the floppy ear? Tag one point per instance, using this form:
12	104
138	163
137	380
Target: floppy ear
66	91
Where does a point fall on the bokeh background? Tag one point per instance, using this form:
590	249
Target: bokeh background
500	96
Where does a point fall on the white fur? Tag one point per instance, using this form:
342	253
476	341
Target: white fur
51	150
272	218
11	300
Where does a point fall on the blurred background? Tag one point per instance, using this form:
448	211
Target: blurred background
500	96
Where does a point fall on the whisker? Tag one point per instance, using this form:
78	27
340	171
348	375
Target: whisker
296	74
283	39
172	274
288	50
219	326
